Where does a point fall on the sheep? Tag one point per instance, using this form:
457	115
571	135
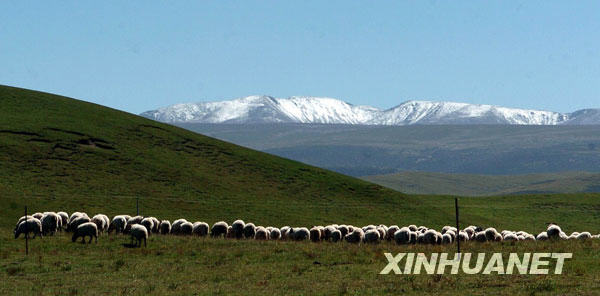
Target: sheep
100	222
200	228
139	232
298	234
554	231
372	236
584	235
463	236
250	230
117	224
382	231
78	220
132	221
64	219
480	237
402	236
86	229
336	236
356	236
446	238
510	237
431	237
490	233
218	229
50	223
38	216
328	231
275	234
261	233
470	231
542	236
315	234
229	233
23	219
148	223
176	225
164	227
106	222
238	228
344	230
156	225
186	228
31	225
391	231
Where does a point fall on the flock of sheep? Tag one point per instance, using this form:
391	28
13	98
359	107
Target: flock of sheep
82	226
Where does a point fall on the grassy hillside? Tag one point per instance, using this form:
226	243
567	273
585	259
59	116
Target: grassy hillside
485	185
58	153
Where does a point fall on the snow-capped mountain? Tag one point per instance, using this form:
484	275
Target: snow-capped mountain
266	109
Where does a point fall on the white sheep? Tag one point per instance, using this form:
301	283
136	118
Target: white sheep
250	230
50	223
148	223
176	225
261	233
480	237
554	231
238	228
372	236
86	229
275	234
139	233
219	229
165	227
542	236
343	229
200	228
186	228
584	235
156	225
64	219
402	236
510	237
446	238
31	225
356	236
100	222
298	234
78	220
117	224
391	231
315	234
336	236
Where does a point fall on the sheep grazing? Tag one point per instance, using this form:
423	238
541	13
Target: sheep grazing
219	229
463	236
238	228
391	231
275	234
50	223
446	238
164	227
200	228
117	224
344	230
336	236
490	234
86	229
31	225
261	233
328	231
584	235
78	220
402	236
38	216
100	222
64	219
356	236
250	230
542	236
510	237
148	223
554	231
372	236
299	234
431	237
176	225
480	237
229	233
155	224
139	233
315	234
186	228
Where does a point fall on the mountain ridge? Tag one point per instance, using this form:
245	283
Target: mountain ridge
324	110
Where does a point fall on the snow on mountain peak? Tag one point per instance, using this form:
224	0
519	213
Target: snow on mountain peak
299	109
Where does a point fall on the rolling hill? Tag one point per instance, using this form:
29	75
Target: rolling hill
486	185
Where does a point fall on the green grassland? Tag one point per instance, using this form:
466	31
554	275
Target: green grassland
58	153
485	185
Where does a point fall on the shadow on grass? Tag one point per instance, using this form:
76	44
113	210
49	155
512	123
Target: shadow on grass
130	245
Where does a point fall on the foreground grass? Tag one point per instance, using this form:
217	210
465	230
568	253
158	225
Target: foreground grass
189	265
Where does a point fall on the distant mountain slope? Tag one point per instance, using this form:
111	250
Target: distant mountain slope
486	185
315	110
360	150
60	148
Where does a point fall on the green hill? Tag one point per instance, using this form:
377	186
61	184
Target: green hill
485	185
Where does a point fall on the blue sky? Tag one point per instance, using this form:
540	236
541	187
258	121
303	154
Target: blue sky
137	56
